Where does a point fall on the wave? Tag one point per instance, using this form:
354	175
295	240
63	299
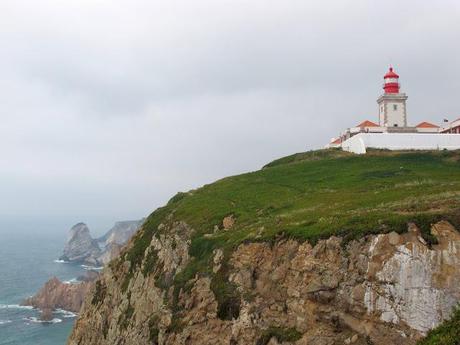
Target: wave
4	322
58	261
34	319
72	281
15	306
92	268
65	313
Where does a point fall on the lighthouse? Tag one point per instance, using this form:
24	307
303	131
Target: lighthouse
392	132
392	104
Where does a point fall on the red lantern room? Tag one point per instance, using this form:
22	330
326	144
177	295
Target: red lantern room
391	84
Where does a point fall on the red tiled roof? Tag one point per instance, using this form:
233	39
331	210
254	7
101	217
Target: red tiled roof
367	123
426	125
337	141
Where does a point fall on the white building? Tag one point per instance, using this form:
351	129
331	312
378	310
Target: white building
453	127
393	132
401	141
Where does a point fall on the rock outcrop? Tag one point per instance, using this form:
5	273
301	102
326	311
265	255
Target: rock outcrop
381	289
121	232
58	295
114	240
80	246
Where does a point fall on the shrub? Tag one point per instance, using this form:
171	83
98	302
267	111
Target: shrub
281	334
153	330
99	293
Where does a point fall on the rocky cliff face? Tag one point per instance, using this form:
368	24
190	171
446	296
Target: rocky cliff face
80	246
382	289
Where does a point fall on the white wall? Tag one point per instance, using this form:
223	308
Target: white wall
395	116
388	116
401	141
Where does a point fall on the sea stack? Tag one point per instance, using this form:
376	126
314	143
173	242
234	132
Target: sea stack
80	246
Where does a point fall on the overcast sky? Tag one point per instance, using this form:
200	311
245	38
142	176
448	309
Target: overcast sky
108	108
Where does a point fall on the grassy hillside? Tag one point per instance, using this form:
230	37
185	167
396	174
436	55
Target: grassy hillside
322	193
309	196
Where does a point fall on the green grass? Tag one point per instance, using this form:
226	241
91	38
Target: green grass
309	196
448	333
312	199
309	156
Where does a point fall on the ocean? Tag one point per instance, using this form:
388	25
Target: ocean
27	261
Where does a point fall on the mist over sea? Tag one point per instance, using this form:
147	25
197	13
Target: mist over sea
27	255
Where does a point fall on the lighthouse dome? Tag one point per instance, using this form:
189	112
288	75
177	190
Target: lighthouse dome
391	84
391	74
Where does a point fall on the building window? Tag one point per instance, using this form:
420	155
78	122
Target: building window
395	107
395	125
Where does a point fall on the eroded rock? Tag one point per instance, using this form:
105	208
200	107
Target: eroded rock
80	246
58	295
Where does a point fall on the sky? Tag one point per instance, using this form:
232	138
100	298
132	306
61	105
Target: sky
108	108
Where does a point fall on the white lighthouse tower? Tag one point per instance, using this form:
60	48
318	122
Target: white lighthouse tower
392	104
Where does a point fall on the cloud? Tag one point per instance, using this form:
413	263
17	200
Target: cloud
110	107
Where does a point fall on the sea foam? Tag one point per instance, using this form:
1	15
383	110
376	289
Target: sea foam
34	319
58	261
92	268
15	306
65	313
72	281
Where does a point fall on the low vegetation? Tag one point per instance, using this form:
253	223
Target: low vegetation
99	293
339	194
153	329
125	318
227	296
280	334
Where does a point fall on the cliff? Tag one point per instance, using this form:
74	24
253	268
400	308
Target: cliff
316	248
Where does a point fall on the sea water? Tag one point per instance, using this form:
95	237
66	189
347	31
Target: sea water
27	261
